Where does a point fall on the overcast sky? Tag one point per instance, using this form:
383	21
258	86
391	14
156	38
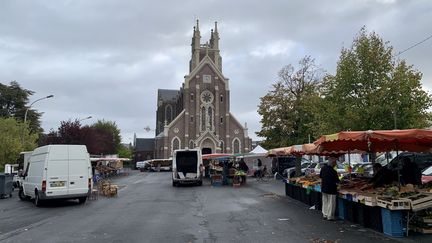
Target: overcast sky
106	58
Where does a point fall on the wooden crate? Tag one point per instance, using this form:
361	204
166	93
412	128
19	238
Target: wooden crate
420	229
397	204
371	200
421	201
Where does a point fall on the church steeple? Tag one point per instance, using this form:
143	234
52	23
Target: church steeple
215	38
210	49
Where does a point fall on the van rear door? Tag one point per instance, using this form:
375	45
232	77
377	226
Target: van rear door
57	179
78	170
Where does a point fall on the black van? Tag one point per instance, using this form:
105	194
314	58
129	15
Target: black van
422	161
279	164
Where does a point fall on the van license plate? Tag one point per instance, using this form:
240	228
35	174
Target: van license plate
57	184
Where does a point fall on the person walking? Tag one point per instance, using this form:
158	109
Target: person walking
329	181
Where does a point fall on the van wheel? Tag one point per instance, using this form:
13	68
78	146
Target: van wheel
37	200
199	183
21	194
82	200
174	183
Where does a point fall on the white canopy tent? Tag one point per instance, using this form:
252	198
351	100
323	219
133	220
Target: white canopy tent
258	151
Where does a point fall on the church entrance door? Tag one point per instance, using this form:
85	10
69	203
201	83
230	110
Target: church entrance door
206	151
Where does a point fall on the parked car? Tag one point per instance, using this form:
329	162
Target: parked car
340	168
422	160
57	172
385	158
427	176
143	165
280	164
365	169
306	167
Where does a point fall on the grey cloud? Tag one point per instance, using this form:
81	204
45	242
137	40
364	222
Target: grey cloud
107	58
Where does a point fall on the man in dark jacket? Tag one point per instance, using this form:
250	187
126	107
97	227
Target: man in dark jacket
329	181
382	176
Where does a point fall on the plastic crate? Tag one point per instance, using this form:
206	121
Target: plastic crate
317	187
341	208
393	224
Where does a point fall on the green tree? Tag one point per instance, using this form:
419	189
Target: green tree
15	138
286	111
372	90
13	103
110	127
125	152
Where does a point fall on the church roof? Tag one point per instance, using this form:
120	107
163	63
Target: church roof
168	94
144	144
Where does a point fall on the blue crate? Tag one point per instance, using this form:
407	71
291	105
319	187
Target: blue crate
341	208
317	188
392	221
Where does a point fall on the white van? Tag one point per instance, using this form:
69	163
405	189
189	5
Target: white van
57	172
187	167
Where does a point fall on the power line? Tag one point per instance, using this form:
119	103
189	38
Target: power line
418	43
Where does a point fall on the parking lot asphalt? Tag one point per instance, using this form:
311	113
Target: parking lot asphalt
149	209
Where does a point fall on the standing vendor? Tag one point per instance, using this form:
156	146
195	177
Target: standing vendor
382	176
329	181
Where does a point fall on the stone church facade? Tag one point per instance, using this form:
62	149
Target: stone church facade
198	115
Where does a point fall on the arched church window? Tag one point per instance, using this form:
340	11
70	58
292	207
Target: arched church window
191	144
236	145
210	118
222	147
203	118
192	96
168	113
221	98
175	143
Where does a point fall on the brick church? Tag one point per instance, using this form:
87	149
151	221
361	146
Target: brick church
198	115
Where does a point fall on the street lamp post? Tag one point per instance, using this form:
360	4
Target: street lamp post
25	115
28	108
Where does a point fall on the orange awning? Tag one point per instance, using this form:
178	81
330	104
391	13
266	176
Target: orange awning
296	150
413	140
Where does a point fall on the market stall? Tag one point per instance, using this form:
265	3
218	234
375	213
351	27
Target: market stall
393	210
223	169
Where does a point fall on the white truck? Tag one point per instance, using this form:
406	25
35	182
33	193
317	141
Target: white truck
187	167
57	172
